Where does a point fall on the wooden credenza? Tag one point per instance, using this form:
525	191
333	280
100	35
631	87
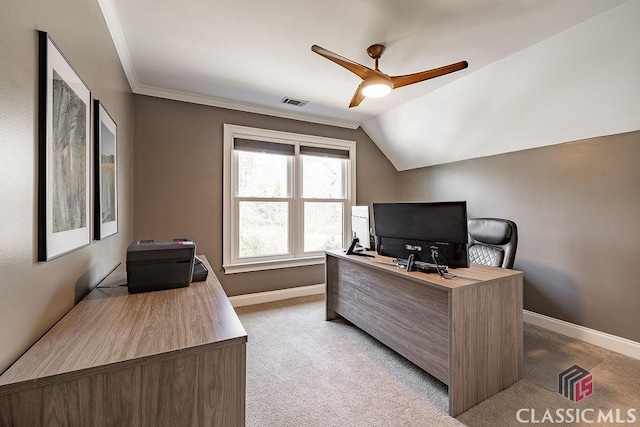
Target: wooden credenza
166	358
466	332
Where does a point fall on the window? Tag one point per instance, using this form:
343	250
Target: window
287	198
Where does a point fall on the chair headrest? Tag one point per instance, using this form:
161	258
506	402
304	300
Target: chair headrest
490	230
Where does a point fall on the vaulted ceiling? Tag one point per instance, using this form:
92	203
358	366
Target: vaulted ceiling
249	54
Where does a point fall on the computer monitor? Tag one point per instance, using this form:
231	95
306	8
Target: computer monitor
360	225
402	229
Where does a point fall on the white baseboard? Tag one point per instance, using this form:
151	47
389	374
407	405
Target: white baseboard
281	294
591	336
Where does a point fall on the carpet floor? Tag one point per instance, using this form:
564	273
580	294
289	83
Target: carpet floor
305	371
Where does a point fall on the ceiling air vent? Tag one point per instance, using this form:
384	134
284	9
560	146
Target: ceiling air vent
292	101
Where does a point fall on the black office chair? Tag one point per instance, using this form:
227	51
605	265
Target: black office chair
492	242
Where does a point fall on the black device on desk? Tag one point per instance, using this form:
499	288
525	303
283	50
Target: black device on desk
155	266
413	265
410	264
200	272
351	250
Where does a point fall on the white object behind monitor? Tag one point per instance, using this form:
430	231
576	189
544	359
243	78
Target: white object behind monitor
360	225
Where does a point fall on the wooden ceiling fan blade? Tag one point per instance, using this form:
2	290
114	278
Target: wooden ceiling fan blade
357	97
399	81
357	69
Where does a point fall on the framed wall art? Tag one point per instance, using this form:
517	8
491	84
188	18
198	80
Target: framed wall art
106	173
64	154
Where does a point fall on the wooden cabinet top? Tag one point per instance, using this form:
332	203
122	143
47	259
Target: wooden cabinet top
476	274
111	326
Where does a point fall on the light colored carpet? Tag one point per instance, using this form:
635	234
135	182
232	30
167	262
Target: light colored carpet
305	371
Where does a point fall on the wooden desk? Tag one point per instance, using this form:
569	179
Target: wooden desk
164	358
466	332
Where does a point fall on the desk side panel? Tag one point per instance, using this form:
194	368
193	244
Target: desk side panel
206	389
21	409
223	408
407	316
486	341
331	268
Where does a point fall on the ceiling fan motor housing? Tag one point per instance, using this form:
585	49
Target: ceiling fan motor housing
376	86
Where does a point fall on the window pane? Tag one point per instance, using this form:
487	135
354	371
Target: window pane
323	177
263	229
322	226
262	174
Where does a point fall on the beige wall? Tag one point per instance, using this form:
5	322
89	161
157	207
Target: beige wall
576	206
33	296
178	181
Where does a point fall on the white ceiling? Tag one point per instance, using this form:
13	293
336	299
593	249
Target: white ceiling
248	54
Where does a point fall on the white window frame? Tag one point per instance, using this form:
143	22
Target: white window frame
230	260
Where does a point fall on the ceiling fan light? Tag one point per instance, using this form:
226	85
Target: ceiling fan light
376	90
376	86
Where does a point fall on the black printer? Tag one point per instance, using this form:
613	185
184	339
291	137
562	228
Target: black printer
155	266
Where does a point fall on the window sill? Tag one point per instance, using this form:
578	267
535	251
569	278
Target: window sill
272	265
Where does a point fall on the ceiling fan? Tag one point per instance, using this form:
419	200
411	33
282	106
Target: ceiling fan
375	83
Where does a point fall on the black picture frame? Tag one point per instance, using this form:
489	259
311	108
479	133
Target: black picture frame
106	173
64	154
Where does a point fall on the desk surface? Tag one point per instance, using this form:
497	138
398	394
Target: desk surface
475	274
111	326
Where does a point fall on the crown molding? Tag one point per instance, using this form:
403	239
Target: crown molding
113	24
241	106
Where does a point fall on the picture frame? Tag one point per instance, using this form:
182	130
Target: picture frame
106	173
64	154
